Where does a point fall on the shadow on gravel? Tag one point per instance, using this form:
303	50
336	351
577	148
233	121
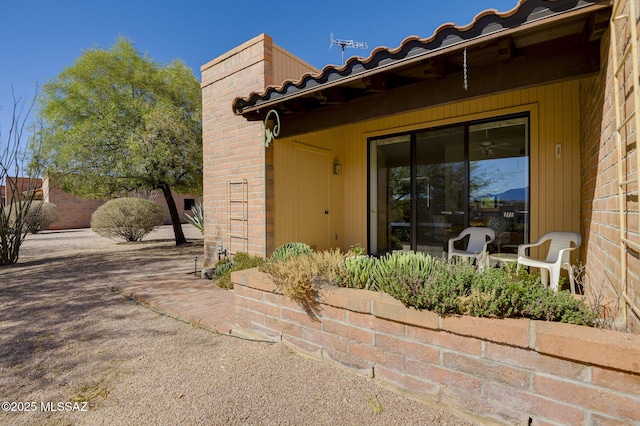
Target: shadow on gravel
61	302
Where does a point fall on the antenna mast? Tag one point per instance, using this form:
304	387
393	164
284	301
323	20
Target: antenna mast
346	43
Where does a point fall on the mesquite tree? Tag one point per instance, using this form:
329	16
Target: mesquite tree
19	184
116	121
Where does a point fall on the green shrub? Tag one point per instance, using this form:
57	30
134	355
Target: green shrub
406	275
222	267
241	261
40	216
289	250
128	218
425	282
450	283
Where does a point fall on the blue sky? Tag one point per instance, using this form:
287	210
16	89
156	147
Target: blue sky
39	38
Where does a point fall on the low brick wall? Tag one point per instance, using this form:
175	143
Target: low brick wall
513	371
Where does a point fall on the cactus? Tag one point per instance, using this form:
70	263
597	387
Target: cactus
357	272
289	250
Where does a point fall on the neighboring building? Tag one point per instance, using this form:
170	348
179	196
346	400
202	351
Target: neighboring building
17	188
75	212
507	122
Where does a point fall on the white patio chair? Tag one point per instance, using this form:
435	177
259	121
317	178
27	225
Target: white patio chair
557	257
479	238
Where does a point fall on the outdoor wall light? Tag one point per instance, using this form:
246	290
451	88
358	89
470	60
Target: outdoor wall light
337	167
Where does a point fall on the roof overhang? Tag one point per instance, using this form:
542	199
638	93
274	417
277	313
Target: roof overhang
561	36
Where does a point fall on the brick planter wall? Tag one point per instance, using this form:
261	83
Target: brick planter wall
512	371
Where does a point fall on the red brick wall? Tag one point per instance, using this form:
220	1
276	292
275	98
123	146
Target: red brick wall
15	187
76	212
514	371
233	148
600	221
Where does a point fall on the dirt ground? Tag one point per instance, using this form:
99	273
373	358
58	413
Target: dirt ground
74	352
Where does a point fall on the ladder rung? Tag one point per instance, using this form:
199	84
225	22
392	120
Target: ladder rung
633	307
626	120
631	244
238	218
627	182
623	60
238	237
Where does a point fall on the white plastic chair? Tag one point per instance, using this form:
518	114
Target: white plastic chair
557	257
479	238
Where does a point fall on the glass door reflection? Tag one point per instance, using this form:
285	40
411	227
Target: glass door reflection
499	181
440	193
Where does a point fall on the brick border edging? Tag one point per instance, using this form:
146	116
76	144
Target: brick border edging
606	348
509	370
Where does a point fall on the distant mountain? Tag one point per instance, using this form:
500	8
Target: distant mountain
514	194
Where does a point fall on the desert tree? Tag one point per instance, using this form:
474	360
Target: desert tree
19	181
115	121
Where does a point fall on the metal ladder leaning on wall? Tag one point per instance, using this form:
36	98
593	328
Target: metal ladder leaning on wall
237	216
627	104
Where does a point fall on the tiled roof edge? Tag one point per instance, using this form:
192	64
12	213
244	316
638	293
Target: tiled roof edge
356	64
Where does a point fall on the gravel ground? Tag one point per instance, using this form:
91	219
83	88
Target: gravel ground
66	338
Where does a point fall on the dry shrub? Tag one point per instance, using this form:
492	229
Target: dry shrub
301	277
295	278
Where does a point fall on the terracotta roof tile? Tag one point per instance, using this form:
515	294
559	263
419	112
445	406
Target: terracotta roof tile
446	36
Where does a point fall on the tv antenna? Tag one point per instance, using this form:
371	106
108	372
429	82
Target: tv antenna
343	44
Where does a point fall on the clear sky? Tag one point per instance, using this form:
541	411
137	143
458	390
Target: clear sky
39	38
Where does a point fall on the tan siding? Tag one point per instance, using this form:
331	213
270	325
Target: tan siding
287	66
554	119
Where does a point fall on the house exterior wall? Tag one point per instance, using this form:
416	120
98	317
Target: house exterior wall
233	148
15	187
75	212
554	182
600	220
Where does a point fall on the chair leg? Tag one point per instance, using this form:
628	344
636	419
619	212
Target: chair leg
555	278
544	277
572	280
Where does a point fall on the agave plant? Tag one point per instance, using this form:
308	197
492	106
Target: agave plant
289	250
197	219
357	272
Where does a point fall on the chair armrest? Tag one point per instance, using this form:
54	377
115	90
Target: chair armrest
562	252
523	247
452	241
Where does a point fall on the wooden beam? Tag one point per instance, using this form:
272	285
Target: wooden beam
539	66
506	48
435	67
377	83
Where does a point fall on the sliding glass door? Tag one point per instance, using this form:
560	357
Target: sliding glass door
426	186
440	185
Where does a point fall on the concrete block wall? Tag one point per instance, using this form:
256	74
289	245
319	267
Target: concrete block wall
509	371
